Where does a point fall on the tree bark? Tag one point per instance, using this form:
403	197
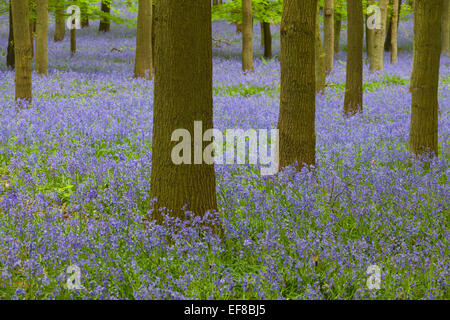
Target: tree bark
423	137
353	101
183	94
267	40
10	61
394	31
328	38
320	70
337	31
73	41
143	63
247	35
296	122
105	23
22	51
41	36
388	41
60	26
376	63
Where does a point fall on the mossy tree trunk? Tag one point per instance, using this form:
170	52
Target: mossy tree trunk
296	121
337	31
353	101
22	50
394	32
41	36
143	63
320	70
247	35
10	61
328	38
60	26
183	94
423	137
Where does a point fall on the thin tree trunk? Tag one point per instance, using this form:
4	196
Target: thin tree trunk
10	55
370	36
183	94
143	64
105	23
73	41
328	38
296	122
267	40
388	41
423	137
41	36
320	71
337	31
247	35
22	50
376	64
60	26
353	101
394	32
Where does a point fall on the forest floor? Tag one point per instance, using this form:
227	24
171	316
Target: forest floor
75	178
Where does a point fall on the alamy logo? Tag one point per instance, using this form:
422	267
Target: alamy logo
74	19
258	147
374	20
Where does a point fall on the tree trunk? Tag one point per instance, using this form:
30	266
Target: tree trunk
22	50
267	40
105	23
296	122
388	41
32	30
423	137
353	101
60	26
394	32
10	55
328	38
337	31
446	27
247	35
320	71
376	63
143	64
41	36
183	94
73	41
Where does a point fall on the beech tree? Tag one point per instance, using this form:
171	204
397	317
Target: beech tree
423	136
22	50
296	121
41	36
183	94
10	61
328	38
247	35
320	69
353	101
60	26
143	63
376	55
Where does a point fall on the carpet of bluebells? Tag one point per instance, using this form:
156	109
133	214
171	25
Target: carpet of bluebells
75	170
